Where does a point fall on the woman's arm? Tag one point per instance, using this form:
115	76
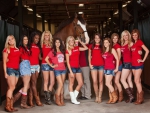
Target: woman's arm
68	64
117	60
5	57
119	53
146	53
84	46
89	58
50	64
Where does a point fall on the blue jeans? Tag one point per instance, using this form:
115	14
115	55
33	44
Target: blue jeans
127	66
25	68
75	70
13	72
98	68
35	68
46	67
120	68
138	67
109	72
59	72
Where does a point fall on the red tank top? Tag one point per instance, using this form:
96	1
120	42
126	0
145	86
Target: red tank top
108	61
126	54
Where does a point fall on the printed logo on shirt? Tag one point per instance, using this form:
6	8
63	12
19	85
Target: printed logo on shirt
122	49
60	58
16	50
75	50
34	47
133	49
104	56
96	47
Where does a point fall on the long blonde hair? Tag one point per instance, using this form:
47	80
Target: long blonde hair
7	46
50	42
129	38
68	48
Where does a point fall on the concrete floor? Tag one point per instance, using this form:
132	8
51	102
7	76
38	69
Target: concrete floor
89	106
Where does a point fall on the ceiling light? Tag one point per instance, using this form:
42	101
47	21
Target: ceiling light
81	5
128	1
30	9
38	15
109	18
116	13
45	21
80	12
124	5
26	6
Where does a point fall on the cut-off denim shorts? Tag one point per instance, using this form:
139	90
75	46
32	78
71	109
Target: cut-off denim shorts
138	67
127	66
46	67
75	70
109	72
35	68
59	72
98	68
13	72
25	68
120	68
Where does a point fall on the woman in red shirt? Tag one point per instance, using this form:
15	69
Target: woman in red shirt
126	75
117	47
57	62
137	63
96	64
109	54
47	71
35	68
72	58
11	58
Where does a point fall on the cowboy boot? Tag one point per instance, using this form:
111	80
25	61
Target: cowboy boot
17	96
48	97
120	96
110	98
57	100
7	107
100	97
96	99
30	98
24	102
115	97
130	95
37	99
11	105
137	97
62	100
140	98
73	99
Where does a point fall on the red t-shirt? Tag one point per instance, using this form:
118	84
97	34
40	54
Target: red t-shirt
108	61
116	46
83	58
96	54
135	55
74	57
13	58
58	59
45	51
35	52
126	53
24	54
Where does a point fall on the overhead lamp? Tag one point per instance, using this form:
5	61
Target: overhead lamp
26	6
45	21
81	5
128	1
109	18
80	12
116	13
38	15
30	9
124	5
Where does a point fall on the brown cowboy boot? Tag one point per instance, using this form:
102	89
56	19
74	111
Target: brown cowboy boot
62	100
110	98
115	97
120	96
24	102
137	97
7	107
57	100
37	99
130	95
100	97
11	105
140	98
17	96
30	99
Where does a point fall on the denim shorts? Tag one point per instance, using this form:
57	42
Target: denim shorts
25	68
98	68
109	72
59	72
120	68
138	67
35	68
13	72
46	67
127	66
75	70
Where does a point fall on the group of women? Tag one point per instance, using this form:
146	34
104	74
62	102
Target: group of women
104	57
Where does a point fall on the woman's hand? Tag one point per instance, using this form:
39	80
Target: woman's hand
6	75
115	71
140	60
91	66
54	66
71	74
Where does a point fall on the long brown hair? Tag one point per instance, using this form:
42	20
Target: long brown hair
94	43
135	31
110	46
113	35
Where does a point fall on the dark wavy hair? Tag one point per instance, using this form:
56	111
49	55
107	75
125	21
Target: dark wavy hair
61	47
110	46
22	45
94	43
